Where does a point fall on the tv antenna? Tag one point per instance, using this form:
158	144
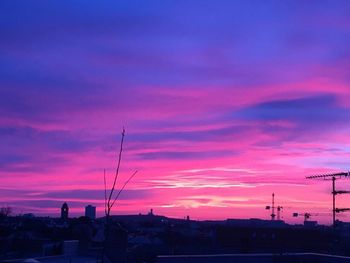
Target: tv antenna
334	177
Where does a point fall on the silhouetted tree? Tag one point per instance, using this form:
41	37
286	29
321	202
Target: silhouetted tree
113	195
5	211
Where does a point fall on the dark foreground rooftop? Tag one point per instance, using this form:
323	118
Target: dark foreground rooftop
255	258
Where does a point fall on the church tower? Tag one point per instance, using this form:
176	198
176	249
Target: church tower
64	211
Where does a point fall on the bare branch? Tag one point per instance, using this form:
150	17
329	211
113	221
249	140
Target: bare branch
121	189
117	170
108	194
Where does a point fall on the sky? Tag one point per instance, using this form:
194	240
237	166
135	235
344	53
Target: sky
223	103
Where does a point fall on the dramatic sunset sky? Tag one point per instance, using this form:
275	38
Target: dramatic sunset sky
223	102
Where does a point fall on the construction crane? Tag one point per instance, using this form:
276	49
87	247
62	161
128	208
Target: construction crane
306	216
279	211
273	208
334	177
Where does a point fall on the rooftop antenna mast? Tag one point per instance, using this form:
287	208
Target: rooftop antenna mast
333	177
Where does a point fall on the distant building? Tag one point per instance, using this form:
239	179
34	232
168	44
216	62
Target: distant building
255	222
29	215
64	211
90	211
310	223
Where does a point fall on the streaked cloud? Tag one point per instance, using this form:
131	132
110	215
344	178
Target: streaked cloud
221	101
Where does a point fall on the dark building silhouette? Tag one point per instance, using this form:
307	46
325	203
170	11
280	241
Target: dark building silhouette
90	211
64	211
